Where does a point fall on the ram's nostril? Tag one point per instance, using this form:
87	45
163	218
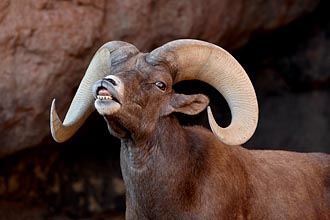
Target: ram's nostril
113	82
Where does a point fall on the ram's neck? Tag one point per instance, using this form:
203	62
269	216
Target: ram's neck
171	170
166	162
160	144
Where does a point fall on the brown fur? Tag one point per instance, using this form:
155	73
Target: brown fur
194	176
184	173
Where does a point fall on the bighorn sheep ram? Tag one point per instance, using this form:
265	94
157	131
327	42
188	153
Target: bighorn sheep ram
187	172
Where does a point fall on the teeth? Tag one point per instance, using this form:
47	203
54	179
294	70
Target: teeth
104	97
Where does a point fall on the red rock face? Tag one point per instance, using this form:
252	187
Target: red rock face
46	46
42	44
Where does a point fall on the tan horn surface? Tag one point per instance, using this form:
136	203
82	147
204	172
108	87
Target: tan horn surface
82	104
199	60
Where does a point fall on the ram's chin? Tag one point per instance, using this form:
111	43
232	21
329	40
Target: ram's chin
106	107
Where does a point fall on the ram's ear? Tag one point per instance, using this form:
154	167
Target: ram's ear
187	104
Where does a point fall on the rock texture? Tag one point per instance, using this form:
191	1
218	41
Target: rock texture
42	44
46	46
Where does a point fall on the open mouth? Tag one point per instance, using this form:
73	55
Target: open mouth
106	98
104	94
104	91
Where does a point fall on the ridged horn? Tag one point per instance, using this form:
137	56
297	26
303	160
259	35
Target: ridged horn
190	59
82	104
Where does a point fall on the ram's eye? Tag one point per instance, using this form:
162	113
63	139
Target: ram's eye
161	85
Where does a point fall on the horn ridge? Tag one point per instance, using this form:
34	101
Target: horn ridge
82	103
207	62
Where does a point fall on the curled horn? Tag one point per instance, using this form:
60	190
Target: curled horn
82	104
198	60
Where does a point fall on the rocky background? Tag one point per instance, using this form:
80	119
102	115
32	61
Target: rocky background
46	45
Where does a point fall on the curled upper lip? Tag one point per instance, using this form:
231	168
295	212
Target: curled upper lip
104	84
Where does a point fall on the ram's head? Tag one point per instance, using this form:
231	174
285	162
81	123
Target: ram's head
134	90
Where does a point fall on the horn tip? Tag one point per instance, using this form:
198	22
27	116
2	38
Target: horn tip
55	122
